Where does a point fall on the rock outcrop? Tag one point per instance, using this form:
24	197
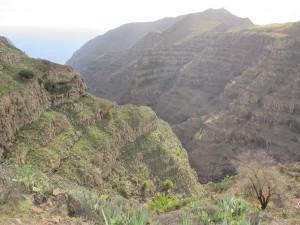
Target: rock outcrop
23	101
225	85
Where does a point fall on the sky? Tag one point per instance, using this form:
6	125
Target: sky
107	14
54	29
54	44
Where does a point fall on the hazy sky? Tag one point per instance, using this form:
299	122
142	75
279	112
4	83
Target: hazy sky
106	14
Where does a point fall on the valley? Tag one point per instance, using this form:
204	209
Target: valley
188	120
226	86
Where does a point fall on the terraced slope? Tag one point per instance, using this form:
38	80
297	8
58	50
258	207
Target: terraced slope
51	125
117	39
226	86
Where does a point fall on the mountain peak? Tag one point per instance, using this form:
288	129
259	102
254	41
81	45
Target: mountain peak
219	10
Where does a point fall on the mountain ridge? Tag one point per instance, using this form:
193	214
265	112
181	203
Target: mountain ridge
192	78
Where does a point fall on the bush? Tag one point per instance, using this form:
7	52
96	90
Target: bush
33	181
106	211
56	87
161	203
26	74
225	184
145	188
107	115
168	185
50	86
85	204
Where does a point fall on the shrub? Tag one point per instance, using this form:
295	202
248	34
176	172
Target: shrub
34	181
230	210
118	216
146	185
139	217
106	211
225	184
51	86
186	219
161	203
285	213
107	115
85	204
168	185
56	87
26	74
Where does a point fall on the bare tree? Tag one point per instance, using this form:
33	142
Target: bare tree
262	178
263	189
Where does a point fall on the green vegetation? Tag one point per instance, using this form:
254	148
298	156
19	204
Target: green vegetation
186	219
230	210
107	115
162	203
15	208
33	181
225	184
109	211
93	142
56	87
82	148
26	74
119	216
168	185
51	86
145	189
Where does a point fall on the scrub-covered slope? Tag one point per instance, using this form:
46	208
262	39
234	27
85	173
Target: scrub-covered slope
50	124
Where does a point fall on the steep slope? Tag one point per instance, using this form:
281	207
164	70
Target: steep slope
51	125
111	75
263	108
117	39
218	80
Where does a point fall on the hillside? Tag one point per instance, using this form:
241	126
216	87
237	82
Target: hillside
117	39
56	136
226	86
70	158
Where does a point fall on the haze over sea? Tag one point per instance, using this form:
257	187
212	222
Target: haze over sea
54	44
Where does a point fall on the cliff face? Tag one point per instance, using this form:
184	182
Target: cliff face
51	124
262	112
225	85
22	101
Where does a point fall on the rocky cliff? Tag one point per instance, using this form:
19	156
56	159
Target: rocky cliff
52	125
225	85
